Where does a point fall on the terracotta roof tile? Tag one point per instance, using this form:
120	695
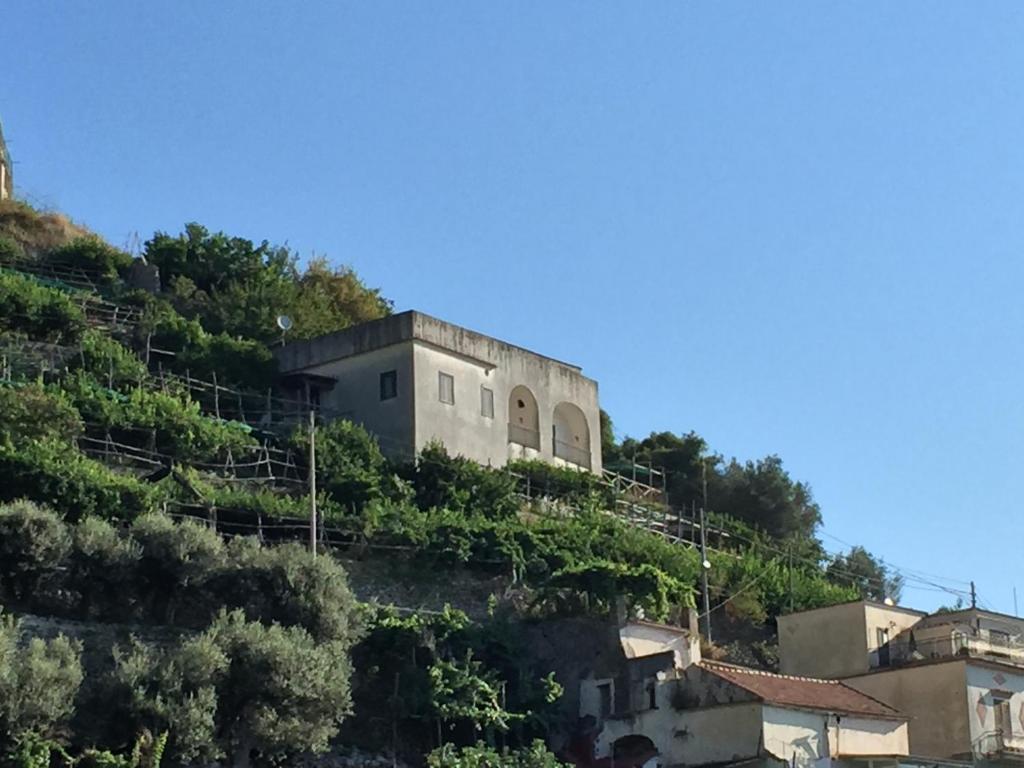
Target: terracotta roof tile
802	692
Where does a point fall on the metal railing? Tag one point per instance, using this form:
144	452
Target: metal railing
522	436
999	744
573	454
904	650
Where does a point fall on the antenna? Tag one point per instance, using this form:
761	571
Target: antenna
285	324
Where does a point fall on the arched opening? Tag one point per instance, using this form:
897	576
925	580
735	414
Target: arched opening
523	418
571	435
634	751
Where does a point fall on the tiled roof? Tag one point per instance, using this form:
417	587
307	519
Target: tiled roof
802	692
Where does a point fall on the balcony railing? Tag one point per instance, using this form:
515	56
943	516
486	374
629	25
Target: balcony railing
997	744
522	436
572	454
902	651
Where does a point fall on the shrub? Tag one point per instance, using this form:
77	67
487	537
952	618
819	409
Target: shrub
103	569
32	412
285	585
175	559
460	484
58	475
38	683
108	361
482	756
41	313
104	262
33	542
350	466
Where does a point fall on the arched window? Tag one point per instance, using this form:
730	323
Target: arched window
523	418
571	435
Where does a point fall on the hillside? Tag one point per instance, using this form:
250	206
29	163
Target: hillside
156	478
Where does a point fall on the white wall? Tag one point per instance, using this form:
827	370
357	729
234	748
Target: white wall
462	427
357	395
802	738
982	679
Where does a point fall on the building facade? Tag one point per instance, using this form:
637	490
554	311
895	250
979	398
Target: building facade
665	707
412	379
958	675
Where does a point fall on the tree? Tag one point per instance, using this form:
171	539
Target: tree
175	559
240	687
33	542
867	573
103	566
763	494
682	457
38	683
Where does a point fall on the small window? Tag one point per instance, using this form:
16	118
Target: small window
446	388
605	692
487	402
389	385
652	695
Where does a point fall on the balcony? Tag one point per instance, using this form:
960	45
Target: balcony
528	438
997	745
573	454
906	651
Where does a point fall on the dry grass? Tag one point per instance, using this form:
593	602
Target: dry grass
37	232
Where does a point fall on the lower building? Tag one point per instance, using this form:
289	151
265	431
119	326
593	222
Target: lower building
665	707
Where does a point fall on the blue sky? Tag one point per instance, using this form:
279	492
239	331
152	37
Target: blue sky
794	227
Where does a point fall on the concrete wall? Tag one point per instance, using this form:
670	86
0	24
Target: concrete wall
892	619
421	347
982	680
934	696
827	642
838	641
357	395
802	738
693	737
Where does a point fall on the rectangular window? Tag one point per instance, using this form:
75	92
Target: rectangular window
605	692
389	385
487	402
1001	705
446	388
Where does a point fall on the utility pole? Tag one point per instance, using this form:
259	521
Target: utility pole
792	544
974	596
704	566
312	482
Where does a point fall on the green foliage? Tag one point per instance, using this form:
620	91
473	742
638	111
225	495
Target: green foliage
867	574
459	484
465	690
56	474
482	756
177	425
432	674
31	412
109	361
350	466
33	542
236	287
38	312
602	582
38	683
580	489
201	354
102	569
284	585
102	261
238	686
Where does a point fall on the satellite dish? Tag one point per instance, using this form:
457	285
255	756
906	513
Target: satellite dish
889	601
284	323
